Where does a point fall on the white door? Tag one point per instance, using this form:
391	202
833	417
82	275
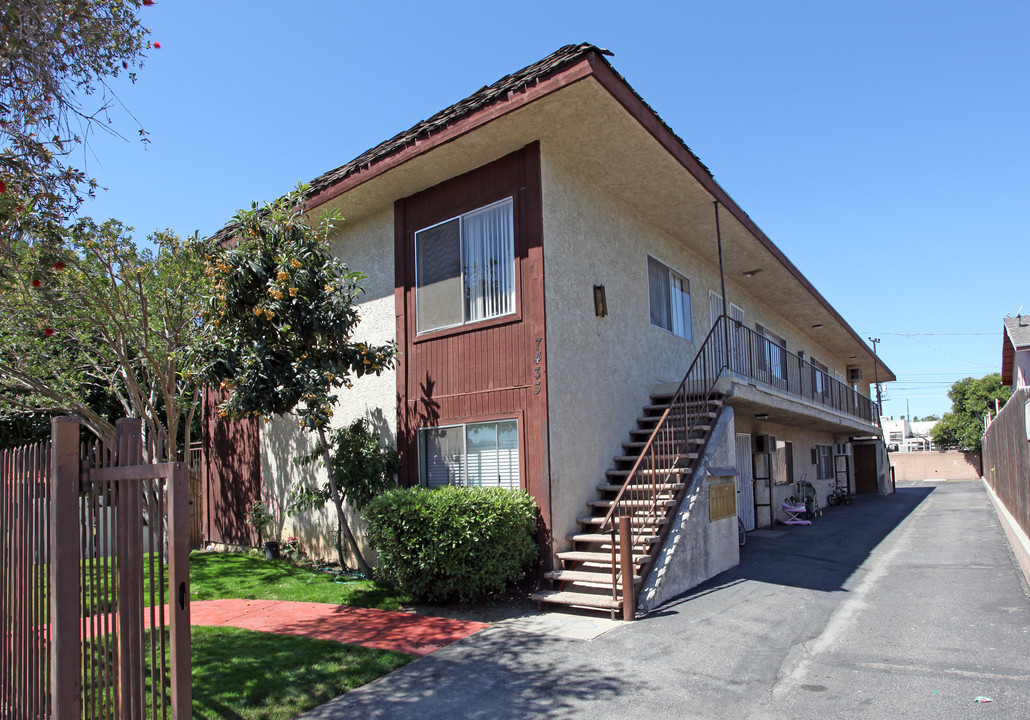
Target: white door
736	331
745	482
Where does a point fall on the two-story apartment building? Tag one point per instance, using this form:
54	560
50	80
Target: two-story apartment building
582	312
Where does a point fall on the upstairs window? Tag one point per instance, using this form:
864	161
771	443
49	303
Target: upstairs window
669	297
465	268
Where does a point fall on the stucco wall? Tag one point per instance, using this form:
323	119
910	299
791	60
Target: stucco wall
803	440
602	370
935	465
367	247
696	548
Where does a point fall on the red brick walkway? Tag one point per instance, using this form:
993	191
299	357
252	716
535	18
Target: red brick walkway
406	632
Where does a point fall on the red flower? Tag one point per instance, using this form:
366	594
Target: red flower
59	265
3	186
125	64
48	332
36	282
148	3
157	46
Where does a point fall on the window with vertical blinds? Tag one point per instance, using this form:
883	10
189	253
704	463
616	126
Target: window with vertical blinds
475	454
465	268
669	298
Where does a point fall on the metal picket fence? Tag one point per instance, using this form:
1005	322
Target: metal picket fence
94	581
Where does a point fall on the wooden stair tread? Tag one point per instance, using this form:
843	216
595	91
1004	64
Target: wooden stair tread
659	502
636	487
670	471
564	597
599	520
605	538
599	558
633	458
601	577
637	444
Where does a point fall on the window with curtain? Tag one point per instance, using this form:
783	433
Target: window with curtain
669	298
824	462
465	268
474	454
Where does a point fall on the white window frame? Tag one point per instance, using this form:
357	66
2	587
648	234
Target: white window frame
824	453
459	466
506	305
684	328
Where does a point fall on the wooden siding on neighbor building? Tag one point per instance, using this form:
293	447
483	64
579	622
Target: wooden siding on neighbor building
489	370
233	482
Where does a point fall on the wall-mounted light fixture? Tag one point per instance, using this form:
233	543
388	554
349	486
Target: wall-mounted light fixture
600	301
751	273
817	326
761	416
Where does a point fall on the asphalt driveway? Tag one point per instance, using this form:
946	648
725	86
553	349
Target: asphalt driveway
908	606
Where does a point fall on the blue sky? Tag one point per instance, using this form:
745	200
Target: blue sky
882	145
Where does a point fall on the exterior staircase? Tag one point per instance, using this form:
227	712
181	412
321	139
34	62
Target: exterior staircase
644	489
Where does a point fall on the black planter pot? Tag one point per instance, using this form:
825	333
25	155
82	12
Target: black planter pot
271	550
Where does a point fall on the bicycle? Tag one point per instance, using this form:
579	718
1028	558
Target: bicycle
741	532
839	495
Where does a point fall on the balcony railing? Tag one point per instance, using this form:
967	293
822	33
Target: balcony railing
758	358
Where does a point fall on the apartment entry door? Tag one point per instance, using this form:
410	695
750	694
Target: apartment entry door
745	482
865	469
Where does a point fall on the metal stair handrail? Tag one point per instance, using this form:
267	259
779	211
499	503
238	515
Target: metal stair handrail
662	456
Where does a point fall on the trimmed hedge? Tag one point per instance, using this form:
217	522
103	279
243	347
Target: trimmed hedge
452	543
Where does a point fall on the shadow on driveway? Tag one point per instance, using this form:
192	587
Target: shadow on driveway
821	556
495	674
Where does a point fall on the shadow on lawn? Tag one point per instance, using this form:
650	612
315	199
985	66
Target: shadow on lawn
243	674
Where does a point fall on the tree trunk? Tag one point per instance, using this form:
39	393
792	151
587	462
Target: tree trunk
341	519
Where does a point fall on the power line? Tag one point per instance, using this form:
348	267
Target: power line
996	332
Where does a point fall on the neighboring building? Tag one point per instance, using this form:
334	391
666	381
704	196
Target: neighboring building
546	254
1006	443
904	436
1015	352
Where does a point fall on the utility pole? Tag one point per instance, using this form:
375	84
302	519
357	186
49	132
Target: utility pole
876	375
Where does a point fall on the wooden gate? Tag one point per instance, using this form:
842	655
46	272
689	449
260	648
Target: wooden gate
97	595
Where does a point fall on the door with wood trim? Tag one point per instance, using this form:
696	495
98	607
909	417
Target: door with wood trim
745	482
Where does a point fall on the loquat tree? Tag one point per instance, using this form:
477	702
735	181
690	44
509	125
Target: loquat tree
279	328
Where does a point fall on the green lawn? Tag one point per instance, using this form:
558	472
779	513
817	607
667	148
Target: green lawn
245	674
249	576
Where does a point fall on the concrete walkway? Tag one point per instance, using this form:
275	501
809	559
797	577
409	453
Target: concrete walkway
908	606
405	632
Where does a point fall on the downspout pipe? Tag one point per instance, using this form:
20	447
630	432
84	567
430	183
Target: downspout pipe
722	280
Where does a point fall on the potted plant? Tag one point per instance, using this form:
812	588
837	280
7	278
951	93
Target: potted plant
261	519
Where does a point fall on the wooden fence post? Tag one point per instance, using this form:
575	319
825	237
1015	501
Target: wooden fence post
629	600
129	432
65	677
179	590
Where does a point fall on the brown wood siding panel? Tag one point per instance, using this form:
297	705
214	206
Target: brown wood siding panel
233	464
481	371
